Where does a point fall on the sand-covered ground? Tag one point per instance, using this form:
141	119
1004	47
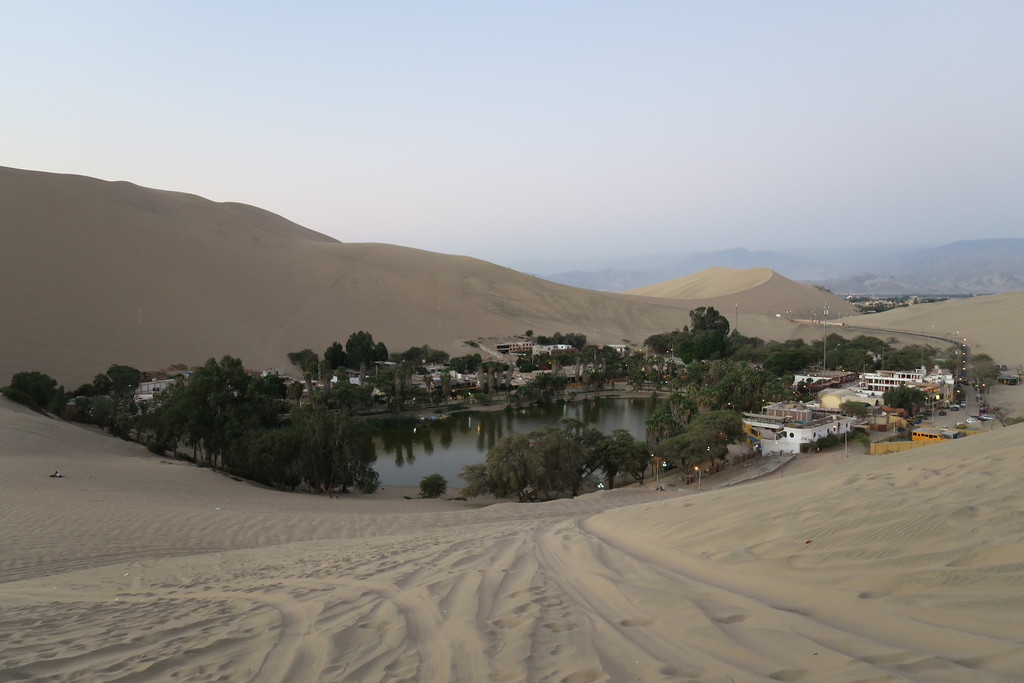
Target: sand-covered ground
134	567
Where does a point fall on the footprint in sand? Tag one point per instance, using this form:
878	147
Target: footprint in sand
559	626
636	621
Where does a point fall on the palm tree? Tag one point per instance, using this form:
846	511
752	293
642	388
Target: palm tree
295	390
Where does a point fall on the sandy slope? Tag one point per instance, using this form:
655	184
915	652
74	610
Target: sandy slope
749	290
133	568
992	324
95	273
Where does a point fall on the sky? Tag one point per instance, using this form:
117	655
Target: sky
511	131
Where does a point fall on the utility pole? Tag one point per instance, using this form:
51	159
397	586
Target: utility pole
824	338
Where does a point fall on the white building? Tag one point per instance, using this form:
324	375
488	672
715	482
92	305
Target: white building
778	432
147	391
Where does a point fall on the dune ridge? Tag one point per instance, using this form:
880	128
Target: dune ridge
749	290
96	273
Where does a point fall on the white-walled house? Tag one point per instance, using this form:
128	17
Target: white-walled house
781	430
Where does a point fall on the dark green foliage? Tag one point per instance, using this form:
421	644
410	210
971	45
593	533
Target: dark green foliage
538	466
619	453
433	486
124	379
708	319
275	457
361	351
576	340
543	388
854	408
706	438
905	398
335	451
666	341
40	388
983	368
421	355
304	359
19	396
788	360
215	408
466	365
349	398
335	356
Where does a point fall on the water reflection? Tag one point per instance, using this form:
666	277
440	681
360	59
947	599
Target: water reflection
406	454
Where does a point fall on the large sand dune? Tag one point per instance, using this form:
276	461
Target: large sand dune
749	290
133	567
95	273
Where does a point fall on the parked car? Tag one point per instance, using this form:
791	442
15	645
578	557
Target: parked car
972	420
954	408
942	412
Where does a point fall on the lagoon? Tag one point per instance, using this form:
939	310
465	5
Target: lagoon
407	454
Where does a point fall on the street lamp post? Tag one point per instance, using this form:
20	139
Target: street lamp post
699	472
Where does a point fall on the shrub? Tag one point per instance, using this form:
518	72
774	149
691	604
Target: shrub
19	396
433	486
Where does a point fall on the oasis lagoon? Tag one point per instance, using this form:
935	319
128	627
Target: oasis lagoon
407	454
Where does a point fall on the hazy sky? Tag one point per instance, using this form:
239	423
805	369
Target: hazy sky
506	129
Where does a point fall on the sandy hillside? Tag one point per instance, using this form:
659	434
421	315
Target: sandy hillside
137	568
752	290
95	273
992	324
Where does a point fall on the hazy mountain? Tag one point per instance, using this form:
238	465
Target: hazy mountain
640	271
967	267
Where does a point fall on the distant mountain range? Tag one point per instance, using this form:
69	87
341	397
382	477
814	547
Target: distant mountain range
967	267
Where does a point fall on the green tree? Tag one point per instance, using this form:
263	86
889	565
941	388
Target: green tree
854	408
303	359
361	351
905	398
983	369
124	379
218	405
335	356
39	387
433	486
466	365
530	467
618	453
275	457
704	318
335	451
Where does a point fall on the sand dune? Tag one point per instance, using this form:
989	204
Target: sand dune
136	567
748	290
991	324
95	273
139	568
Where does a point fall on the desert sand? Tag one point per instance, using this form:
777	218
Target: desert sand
749	290
96	273
136	567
